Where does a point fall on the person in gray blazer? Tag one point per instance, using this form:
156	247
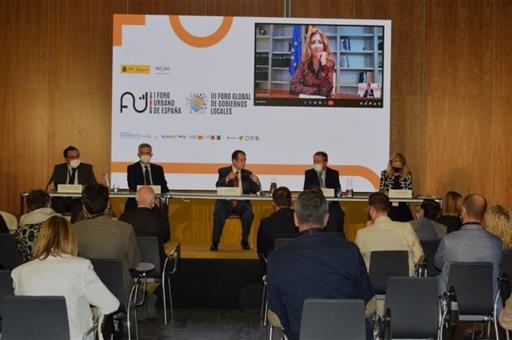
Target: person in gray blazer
469	244
101	237
425	225
72	171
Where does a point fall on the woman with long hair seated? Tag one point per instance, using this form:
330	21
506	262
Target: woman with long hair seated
397	176
450	214
56	271
498	221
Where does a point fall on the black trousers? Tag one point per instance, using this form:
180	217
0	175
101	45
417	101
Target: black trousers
70	205
223	209
336	219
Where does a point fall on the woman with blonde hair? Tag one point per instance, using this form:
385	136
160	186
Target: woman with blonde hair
450	214
498	221
397	176
57	271
315	74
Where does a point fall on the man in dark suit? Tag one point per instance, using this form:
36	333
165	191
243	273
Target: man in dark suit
147	221
235	175
144	173
278	225
314	265
324	177
73	171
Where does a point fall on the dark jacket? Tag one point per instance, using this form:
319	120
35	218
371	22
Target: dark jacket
248	185
278	225
317	265
60	174
136	176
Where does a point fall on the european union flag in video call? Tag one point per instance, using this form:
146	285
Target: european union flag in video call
296	50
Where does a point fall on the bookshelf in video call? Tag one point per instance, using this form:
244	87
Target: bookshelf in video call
357	51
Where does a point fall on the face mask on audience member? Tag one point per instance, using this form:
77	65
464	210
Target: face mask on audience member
145	159
397	169
74	163
317	167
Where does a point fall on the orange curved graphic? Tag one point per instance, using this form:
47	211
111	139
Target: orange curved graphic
196	41
259	169
125	19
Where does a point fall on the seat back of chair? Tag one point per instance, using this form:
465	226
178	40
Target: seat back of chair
473	286
506	264
430	248
328	319
110	272
5	287
414	307
149	249
9	256
384	264
281	242
35	317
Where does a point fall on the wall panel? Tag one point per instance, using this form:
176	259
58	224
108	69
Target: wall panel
451	88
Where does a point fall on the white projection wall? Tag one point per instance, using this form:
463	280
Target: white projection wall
196	88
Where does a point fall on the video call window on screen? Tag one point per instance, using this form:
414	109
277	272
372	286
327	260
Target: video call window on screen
318	65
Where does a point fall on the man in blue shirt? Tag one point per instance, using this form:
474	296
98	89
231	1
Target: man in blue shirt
315	265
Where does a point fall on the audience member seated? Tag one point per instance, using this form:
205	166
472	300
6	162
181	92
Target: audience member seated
450	215
72	171
498	221
470	244
314	265
425	225
322	176
505	317
278	225
3	226
381	233
146	220
38	202
57	271
101	237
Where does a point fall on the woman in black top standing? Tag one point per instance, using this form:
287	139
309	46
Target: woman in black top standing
397	176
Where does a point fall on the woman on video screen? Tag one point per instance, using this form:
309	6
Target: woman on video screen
315	74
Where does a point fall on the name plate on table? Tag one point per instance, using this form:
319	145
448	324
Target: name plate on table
400	193
328	192
229	191
69	188
156	188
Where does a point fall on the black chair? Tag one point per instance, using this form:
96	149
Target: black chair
384	264
35	318
5	290
328	319
110	272
9	256
150	251
278	243
430	249
473	283
414	307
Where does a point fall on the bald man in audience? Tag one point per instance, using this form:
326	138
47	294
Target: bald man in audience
469	244
147	220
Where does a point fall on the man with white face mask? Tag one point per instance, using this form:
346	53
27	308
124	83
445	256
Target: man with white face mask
321	176
73	171
144	172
